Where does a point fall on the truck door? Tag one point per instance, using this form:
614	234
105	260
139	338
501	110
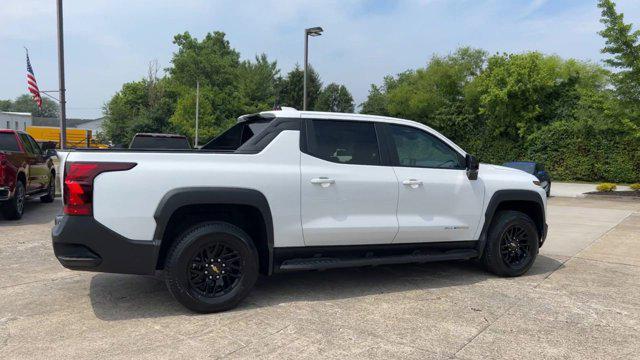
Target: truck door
347	196
437	202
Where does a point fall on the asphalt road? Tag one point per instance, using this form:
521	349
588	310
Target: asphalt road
580	300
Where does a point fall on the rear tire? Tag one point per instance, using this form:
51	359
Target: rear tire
512	244
549	190
51	192
211	267
14	207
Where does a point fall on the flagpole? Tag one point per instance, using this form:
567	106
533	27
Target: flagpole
195	143
63	115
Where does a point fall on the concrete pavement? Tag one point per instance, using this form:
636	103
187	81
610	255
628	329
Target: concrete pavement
565	189
580	300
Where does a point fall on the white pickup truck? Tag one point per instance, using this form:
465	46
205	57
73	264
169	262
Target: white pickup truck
289	190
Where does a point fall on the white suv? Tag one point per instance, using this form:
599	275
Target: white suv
289	190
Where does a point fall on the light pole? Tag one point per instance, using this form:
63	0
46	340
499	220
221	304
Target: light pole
63	101
314	31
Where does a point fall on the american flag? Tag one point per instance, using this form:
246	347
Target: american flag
32	85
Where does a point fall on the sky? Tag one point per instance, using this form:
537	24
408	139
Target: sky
110	42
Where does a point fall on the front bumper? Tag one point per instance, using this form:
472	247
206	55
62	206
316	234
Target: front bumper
82	243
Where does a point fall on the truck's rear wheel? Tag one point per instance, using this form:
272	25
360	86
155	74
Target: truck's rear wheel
14	208
512	244
211	267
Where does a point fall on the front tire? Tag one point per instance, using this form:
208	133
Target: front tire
512	244
14	208
211	267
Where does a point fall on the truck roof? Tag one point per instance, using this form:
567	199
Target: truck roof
293	113
287	112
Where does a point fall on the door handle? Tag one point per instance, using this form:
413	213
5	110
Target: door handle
412	182
322	181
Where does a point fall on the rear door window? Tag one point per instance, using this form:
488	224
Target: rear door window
8	142
345	142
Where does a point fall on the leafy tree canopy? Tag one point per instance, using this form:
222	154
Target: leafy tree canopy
25	103
335	98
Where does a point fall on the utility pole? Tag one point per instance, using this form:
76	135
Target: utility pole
195	145
63	102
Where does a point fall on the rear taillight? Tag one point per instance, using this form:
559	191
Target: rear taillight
78	184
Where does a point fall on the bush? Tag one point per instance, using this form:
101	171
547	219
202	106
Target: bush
635	187
578	150
606	187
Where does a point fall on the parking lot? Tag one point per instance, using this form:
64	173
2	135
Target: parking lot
580	300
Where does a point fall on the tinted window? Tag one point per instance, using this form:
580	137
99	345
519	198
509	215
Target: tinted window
35	145
8	142
236	135
27	143
417	148
159	142
347	142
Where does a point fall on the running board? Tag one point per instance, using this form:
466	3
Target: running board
321	263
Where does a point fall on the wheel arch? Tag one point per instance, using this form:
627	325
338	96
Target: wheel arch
199	204
525	201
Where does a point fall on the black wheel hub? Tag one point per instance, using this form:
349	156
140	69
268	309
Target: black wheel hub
514	246
215	270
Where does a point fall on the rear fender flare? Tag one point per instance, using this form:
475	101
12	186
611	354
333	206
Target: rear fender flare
177	198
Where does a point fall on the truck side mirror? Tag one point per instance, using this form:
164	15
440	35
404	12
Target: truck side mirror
472	167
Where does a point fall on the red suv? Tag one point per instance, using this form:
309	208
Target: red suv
25	171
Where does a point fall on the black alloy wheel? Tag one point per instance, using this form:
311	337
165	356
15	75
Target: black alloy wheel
514	246
211	266
215	269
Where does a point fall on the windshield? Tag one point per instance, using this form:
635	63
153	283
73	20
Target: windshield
527	167
8	142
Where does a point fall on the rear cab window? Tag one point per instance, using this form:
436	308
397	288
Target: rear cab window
8	142
344	142
237	135
159	142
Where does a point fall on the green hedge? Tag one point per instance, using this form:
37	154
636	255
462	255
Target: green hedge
585	152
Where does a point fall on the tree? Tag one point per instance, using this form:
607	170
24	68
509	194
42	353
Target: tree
25	103
258	82
224	84
376	103
140	106
335	98
211	61
5	105
290	89
623	46
432	94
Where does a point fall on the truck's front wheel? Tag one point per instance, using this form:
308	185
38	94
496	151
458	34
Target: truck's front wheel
512	244
211	267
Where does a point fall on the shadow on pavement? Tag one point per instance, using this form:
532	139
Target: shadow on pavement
35	213
122	297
